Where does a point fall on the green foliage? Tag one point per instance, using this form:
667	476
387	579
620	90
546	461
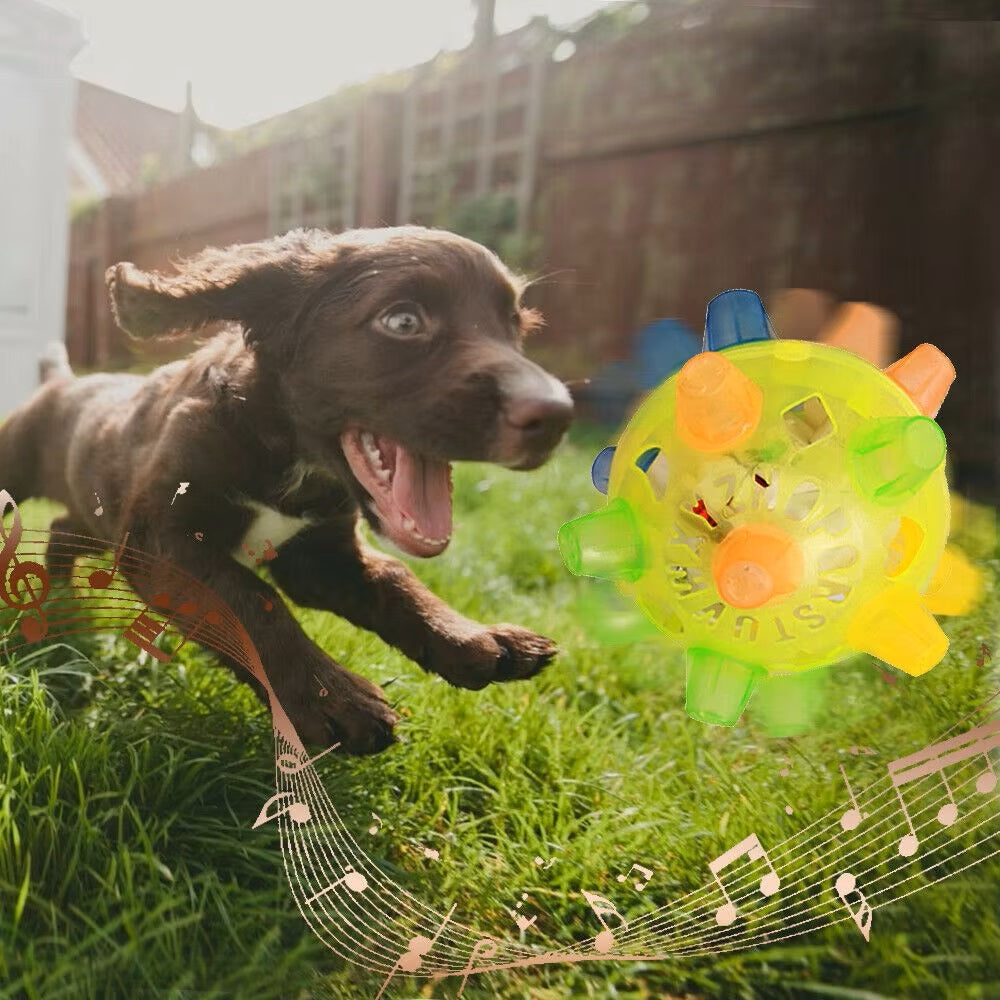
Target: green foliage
127	789
491	219
83	206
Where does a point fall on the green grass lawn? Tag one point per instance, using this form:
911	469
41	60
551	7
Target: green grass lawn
127	790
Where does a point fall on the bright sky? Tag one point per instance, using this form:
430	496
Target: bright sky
248	59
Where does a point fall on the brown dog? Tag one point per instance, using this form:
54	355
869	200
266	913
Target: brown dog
361	365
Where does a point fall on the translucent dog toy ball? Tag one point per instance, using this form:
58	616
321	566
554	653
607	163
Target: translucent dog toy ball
776	506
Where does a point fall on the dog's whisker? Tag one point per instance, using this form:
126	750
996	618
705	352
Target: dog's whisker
543	278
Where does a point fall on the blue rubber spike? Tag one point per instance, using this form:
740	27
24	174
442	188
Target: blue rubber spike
600	471
735	317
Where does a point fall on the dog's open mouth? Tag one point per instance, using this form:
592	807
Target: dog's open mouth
411	493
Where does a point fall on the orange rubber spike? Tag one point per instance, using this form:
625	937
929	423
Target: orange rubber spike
718	407
864	330
755	563
925	374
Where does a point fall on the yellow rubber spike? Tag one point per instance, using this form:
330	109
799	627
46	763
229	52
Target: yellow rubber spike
718	407
956	586
895	627
925	374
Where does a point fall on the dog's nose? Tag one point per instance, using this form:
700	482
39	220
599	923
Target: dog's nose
540	421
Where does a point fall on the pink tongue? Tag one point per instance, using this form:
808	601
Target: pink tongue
421	488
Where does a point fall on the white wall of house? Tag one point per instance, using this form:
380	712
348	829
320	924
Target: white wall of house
36	105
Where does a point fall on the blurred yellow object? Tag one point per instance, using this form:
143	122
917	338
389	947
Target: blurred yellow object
957	585
973	526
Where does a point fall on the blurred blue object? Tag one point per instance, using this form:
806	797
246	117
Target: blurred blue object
662	348
612	391
735	317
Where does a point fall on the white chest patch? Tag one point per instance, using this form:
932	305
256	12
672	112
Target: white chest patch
269	529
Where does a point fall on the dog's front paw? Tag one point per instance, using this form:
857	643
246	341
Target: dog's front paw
494	653
329	705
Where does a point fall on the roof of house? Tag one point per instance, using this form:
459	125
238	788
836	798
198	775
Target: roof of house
119	134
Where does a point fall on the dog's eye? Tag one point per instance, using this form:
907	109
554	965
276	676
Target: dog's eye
402	320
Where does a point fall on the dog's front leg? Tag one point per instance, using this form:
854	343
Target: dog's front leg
353	711
331	569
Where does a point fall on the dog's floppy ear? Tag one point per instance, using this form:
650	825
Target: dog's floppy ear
262	286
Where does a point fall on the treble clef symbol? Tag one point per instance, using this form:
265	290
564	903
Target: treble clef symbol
16	589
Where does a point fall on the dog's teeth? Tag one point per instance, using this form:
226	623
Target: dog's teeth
374	456
411	526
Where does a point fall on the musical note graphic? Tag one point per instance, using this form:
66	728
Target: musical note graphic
200	535
145	629
418	947
322	690
267	604
523	923
143	632
290	764
181	490
297	811
485	947
269	552
845	885
101	579
100	506
376	828
851	819
602	907
639	885
934	759
354	881
752	848
16	589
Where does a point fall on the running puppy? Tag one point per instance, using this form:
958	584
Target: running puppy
357	367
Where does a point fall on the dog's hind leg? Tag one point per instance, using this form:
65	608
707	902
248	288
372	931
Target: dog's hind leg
17	475
25	444
67	541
